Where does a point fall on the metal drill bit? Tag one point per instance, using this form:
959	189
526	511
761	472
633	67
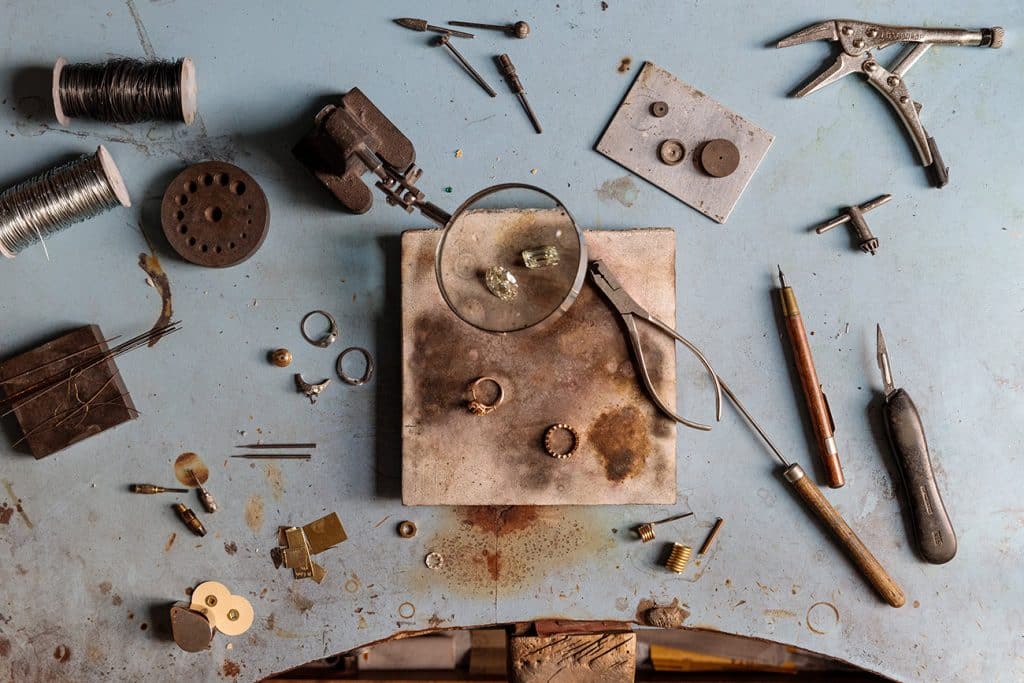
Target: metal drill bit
422	25
205	497
508	70
520	29
443	40
153	488
273	456
277	445
883	361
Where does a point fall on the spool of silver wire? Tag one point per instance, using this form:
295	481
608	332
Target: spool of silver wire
125	91
64	195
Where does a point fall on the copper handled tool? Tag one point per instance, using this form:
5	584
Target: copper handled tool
817	404
153	488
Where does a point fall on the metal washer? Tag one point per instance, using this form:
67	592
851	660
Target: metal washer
214	214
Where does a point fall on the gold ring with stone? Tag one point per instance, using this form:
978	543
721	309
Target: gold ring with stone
478	407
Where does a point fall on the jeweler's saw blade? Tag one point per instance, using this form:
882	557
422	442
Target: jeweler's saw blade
634	134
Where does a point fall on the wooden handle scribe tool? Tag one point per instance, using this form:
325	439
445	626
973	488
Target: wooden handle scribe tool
870	568
817	403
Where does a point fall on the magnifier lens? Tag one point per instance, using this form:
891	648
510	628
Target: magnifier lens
511	257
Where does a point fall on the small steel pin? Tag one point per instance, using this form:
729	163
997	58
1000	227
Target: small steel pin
443	40
520	29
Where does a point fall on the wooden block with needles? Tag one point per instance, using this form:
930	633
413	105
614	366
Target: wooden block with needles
80	403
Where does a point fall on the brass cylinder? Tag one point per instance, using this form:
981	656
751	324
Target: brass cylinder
678	558
645	532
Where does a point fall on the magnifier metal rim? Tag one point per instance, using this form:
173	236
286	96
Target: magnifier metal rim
581	270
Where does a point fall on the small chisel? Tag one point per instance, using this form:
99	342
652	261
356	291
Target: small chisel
936	540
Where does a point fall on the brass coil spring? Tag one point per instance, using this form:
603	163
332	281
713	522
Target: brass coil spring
679	557
645	532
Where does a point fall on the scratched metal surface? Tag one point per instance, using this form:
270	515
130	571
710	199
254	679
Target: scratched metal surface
93	566
577	371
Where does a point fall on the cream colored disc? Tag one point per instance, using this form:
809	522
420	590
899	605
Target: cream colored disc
210	598
237	616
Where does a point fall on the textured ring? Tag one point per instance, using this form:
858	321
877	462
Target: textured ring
549	434
348	379
478	407
326	340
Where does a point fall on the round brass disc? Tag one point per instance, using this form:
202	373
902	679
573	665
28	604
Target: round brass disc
215	214
720	158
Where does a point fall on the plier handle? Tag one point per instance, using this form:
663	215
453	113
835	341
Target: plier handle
858	38
629	310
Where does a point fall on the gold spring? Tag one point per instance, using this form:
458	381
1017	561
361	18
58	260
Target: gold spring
678	558
645	532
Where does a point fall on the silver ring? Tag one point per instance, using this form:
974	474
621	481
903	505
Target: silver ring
327	339
354	381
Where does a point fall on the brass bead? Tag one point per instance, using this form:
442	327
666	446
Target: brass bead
282	358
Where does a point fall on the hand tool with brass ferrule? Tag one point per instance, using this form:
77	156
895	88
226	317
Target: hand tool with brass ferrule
817	403
857	38
936	540
153	488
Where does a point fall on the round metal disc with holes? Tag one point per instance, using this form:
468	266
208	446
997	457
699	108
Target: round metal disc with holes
215	214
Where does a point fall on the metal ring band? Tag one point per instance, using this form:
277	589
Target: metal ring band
326	340
354	381
551	432
478	407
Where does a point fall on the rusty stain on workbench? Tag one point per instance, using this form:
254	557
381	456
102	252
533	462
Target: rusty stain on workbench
276	480
620	440
190	461
17	504
514	547
254	512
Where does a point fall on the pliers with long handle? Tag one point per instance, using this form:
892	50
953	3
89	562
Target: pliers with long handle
629	310
858	38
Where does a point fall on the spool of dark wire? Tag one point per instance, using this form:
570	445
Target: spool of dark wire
125	91
58	198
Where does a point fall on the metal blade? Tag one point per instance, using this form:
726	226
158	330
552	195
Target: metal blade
843	66
882	357
826	30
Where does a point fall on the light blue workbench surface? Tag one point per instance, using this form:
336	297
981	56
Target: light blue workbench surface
946	286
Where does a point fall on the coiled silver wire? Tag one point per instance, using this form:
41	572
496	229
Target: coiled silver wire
122	90
52	201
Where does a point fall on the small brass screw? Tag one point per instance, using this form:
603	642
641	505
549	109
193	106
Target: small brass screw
211	600
233	615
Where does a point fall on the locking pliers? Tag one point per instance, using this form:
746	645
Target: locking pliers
858	38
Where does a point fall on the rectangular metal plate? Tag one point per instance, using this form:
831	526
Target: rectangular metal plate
578	370
634	134
324	533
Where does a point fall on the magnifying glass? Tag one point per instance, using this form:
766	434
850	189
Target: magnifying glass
510	258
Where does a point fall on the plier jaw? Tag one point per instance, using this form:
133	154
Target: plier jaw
826	30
